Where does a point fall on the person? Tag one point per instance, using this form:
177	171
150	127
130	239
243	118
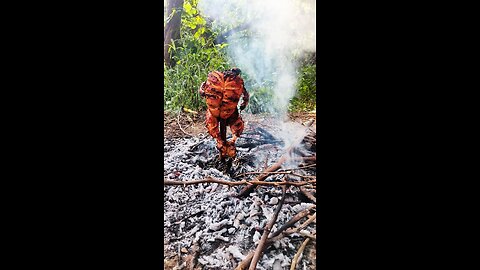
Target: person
222	92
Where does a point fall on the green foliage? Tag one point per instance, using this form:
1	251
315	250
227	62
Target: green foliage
195	55
260	100
305	99
193	62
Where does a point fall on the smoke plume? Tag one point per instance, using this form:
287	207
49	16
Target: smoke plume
278	31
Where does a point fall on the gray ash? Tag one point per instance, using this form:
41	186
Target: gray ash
226	228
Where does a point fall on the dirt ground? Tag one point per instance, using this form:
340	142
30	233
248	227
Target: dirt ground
188	124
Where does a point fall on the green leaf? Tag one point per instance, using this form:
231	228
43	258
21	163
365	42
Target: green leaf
197	34
188	8
200	20
221	46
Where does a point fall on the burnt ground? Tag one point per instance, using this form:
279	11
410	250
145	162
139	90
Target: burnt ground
205	221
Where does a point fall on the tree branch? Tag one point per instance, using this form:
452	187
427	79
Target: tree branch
275	236
292	221
308	194
261	243
299	252
178	122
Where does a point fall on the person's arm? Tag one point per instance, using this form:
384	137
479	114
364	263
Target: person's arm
246	97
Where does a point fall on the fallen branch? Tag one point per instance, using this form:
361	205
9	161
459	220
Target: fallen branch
281	172
250	173
300	167
299	252
178	122
310	158
308	194
277	165
274	167
275	236
261	243
245	262
245	191
305	233
292	222
303	225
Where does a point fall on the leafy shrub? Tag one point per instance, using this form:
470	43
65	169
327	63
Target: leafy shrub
196	54
305	99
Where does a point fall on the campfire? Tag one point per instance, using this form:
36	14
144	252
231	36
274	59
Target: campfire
239	188
254	212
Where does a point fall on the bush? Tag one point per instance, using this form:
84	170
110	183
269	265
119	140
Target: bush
193	62
305	99
196	54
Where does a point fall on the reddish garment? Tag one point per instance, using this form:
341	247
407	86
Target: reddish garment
222	91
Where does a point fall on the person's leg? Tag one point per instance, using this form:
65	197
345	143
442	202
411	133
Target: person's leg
212	124
236	125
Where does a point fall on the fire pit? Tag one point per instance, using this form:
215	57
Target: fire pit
215	215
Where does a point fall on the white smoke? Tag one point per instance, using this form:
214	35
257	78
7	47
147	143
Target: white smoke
279	31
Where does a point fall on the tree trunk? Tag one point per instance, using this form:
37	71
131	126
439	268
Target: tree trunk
172	28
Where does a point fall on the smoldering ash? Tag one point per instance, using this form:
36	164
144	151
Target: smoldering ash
278	30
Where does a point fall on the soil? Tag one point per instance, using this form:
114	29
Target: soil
194	124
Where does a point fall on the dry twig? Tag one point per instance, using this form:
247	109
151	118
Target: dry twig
300	167
308	194
290	223
307	234
178	122
261	243
279	234
299	252
303	226
275	166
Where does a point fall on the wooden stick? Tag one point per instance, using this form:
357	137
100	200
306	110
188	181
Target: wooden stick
245	262
300	167
308	194
246	190
274	167
299	252
178	122
303	225
266	232
282	172
292	221
311	236
279	234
